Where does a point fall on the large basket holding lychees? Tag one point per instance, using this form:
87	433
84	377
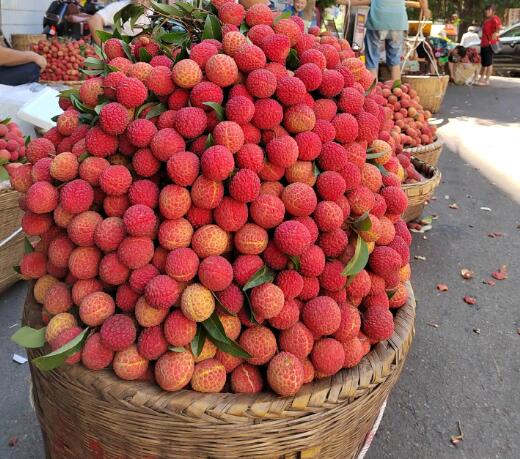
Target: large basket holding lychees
419	193
430	88
11	238
430	154
95	414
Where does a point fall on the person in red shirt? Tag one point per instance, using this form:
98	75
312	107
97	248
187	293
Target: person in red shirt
490	30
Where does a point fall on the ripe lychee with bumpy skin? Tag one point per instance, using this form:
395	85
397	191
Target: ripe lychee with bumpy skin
95	308
209	240
151	343
285	374
215	273
58	298
300	199
328	356
297	340
378	323
178	329
118	332
267	300
350	323
186	73
58	324
197	302
208	376
128	364
292	238
232	298
162	292
95	355
260	343
246	379
221	70
174	370
322	316
148	316
217	163
182	264
353	352
109	234
251	239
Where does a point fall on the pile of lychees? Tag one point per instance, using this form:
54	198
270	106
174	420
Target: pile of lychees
12	142
220	225
64	58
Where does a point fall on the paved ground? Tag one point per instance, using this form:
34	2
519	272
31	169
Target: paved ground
464	364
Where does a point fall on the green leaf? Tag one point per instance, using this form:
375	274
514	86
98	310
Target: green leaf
103	36
83	157
359	260
216	332
5	121
29	337
17	269
99	107
144	56
371	88
167	10
315	169
176	38
198	342
27	140
363	223
375	155
391	294
4	175
156	111
249	309
142	108
296	262
212	28
262	276
244	28
27	246
209	141
186	7
382	170
292	62
94	63
397	84
58	357
126	49
284	15
92	72
219	110
176	349
55	118
3	161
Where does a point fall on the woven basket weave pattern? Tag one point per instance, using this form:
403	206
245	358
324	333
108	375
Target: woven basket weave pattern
430	89
430	154
81	411
11	252
419	193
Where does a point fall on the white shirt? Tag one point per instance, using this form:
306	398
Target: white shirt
470	39
109	11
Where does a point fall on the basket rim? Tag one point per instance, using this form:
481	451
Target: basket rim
434	173
58	82
347	386
437	143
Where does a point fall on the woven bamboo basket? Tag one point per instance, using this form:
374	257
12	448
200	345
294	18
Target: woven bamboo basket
430	88
72	84
94	414
419	193
430	154
23	42
11	239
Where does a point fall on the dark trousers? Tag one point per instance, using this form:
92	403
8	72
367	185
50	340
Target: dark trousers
19	74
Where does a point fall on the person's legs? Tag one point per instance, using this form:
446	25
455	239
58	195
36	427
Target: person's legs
372	54
486	55
19	74
393	47
451	67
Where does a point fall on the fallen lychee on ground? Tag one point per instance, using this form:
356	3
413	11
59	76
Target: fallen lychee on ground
219	208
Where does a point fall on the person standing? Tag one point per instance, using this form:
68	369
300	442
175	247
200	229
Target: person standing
490	30
387	21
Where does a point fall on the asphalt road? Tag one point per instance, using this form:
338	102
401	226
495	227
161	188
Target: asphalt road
464	365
